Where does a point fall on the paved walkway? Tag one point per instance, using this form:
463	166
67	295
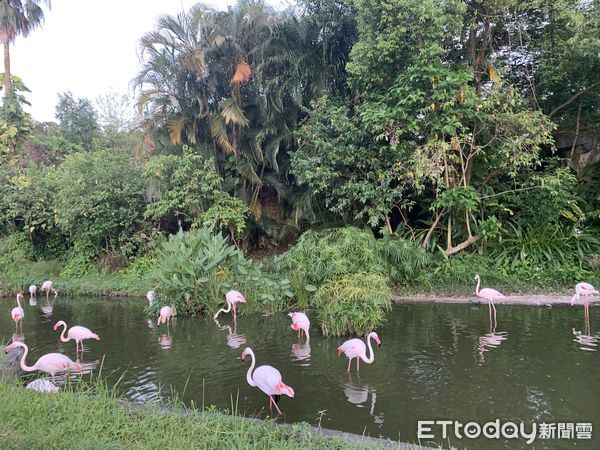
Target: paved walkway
523	300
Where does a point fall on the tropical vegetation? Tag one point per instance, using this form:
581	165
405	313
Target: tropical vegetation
417	142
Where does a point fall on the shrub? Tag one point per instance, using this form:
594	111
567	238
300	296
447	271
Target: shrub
352	304
321	256
197	268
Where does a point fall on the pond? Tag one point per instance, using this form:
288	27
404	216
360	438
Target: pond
436	362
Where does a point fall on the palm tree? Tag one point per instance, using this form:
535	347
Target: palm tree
17	17
231	84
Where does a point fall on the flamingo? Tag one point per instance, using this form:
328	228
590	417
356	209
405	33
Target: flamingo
489	294
356	348
232	297
150	296
46	287
585	290
51	363
33	291
300	323
77	333
165	314
42	385
17	312
267	379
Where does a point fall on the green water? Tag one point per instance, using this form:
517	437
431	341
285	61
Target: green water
436	362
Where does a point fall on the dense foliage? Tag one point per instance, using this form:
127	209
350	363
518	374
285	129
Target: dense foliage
430	139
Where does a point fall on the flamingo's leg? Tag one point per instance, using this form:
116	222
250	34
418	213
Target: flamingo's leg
234	313
357	364
276	407
349	362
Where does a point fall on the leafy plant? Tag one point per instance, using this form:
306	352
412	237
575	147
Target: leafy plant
352	304
197	268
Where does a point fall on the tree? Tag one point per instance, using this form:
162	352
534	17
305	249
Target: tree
77	120
17	17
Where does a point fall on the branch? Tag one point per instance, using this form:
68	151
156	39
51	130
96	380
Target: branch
438	216
462	245
572	99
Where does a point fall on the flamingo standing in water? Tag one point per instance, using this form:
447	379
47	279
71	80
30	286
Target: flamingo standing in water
267	379
17	312
33	291
150	296
585	290
232	298
490	295
165	315
51	363
300	323
46	287
356	348
77	333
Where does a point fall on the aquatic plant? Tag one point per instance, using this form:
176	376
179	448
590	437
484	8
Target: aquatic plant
353	304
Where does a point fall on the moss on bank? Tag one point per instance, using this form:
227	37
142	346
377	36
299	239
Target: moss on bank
94	419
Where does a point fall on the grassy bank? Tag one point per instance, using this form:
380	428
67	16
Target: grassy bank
111	285
92	418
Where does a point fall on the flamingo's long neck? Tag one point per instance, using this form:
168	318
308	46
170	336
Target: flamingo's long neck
307	336
24	366
62	335
371	357
477	288
224	310
19	302
249	373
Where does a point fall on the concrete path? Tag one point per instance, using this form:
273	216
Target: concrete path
521	300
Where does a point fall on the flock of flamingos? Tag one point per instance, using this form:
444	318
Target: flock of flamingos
267	378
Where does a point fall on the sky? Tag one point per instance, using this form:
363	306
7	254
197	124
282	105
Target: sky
87	47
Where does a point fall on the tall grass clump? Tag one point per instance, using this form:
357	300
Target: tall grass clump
195	269
319	256
352	304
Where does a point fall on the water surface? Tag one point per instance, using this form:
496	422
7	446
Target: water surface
436	362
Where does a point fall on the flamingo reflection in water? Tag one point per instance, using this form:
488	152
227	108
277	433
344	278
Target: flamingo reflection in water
234	340
587	340
490	340
47	309
301	352
359	395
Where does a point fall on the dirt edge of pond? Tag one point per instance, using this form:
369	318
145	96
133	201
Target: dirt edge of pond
513	300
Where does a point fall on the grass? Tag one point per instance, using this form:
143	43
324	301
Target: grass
91	417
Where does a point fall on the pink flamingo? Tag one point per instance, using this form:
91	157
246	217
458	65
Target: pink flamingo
490	295
42	385
585	290
232	298
77	333
33	291
150	296
300	323
17	312
165	314
46	287
356	348
51	363
267	379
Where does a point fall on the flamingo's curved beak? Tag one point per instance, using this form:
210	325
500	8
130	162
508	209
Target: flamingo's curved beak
243	355
295	326
339	351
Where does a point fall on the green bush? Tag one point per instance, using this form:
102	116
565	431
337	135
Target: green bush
352	304
324	255
197	268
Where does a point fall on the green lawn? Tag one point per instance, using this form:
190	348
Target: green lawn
92	418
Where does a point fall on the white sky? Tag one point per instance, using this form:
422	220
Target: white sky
87	47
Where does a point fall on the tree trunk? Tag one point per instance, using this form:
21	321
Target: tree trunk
7	82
